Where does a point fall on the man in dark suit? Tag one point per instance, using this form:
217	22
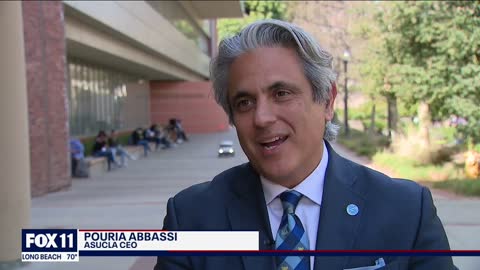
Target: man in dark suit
278	88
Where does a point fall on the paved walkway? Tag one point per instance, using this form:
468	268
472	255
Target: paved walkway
135	198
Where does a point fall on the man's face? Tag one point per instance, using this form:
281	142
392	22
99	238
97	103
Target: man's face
279	126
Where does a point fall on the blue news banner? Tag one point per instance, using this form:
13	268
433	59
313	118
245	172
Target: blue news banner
65	245
49	245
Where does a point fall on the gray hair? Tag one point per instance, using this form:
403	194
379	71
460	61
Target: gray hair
317	63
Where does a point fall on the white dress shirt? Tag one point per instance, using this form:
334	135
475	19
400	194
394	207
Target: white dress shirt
308	209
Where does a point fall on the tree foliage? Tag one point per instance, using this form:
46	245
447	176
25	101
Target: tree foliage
372	65
255	10
433	56
373	62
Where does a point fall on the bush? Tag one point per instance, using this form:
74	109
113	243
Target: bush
444	135
88	143
411	146
407	167
443	154
363	143
363	114
463	186
476	148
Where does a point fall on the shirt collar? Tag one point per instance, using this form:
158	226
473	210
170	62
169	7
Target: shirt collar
311	187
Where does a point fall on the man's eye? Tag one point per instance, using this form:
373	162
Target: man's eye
244	104
281	93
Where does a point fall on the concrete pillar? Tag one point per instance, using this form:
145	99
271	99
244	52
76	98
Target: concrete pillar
14	139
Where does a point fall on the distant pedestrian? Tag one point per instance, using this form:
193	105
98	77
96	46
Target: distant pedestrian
117	149
175	127
77	156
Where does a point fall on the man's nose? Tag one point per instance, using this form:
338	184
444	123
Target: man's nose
264	114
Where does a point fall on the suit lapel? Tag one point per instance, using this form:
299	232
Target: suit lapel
337	229
247	211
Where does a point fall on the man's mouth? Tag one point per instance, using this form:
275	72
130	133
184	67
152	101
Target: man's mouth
273	143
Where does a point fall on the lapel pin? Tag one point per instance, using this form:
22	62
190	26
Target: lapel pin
352	209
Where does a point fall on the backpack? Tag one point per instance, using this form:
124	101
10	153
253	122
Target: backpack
82	170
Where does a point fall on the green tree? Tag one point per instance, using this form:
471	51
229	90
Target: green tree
433	52
373	61
255	10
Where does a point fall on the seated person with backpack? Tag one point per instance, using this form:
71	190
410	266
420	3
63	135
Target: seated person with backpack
160	136
138	139
175	126
100	149
149	135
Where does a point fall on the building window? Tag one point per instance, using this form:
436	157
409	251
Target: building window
97	97
194	29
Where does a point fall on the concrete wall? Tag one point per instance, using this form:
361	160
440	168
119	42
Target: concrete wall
134	32
192	102
15	162
47	97
137	106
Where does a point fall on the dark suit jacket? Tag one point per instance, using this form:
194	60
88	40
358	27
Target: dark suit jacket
393	215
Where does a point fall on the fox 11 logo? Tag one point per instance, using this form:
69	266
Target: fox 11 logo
49	240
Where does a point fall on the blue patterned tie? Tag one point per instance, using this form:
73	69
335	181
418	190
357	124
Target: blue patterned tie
291	234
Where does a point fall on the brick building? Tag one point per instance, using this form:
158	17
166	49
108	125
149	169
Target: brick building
71	68
114	65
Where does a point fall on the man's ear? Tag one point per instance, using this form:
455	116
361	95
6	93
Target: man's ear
329	109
